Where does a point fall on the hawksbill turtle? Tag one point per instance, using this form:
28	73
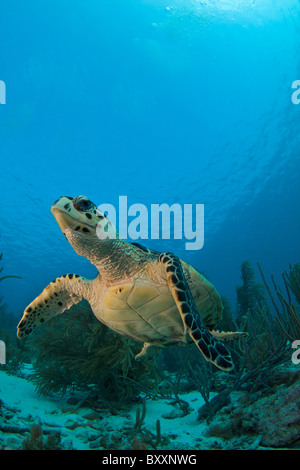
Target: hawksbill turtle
151	297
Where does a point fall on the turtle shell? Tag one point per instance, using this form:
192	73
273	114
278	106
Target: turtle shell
144	310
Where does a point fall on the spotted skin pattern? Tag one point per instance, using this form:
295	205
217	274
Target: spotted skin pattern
58	296
212	350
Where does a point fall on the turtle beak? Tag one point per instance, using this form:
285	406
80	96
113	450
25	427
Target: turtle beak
60	209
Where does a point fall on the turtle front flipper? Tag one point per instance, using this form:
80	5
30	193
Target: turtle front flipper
57	297
212	349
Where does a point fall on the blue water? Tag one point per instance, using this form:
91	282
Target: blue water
178	101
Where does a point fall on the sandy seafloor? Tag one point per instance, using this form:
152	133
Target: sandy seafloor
81	428
29	408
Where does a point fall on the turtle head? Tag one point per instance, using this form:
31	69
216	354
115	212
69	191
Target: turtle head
82	223
77	214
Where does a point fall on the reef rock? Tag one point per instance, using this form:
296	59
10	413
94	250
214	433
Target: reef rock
215	404
275	418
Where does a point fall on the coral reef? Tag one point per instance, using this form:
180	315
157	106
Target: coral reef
288	317
36	440
263	402
266	346
94	369
146	439
249	295
211	407
269	421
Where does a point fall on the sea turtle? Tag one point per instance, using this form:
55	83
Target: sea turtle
151	297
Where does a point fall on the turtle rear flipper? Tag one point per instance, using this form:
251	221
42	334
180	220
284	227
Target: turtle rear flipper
57	297
228	335
211	348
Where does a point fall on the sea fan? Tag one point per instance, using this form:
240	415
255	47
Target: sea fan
76	351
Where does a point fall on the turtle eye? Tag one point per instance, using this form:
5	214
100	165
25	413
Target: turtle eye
83	205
